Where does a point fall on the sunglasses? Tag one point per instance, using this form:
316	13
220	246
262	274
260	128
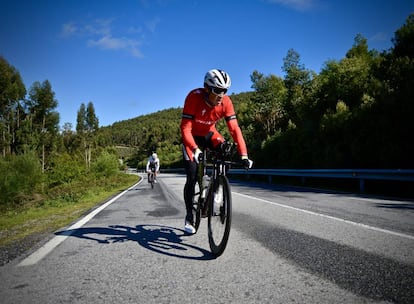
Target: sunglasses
218	91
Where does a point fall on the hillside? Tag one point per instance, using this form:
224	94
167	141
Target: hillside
137	137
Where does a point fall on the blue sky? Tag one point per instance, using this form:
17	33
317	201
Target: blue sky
135	57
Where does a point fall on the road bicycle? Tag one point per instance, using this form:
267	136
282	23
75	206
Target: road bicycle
213	198
151	178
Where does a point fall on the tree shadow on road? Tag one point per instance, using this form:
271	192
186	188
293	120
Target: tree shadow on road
405	206
161	239
363	273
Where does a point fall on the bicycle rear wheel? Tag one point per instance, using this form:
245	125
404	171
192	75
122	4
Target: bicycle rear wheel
219	216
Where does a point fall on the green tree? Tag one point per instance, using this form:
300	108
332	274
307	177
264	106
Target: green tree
267	104
44	118
404	39
68	138
92	122
298	84
87	125
12	93
394	109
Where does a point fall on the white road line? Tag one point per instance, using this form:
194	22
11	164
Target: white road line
39	254
403	235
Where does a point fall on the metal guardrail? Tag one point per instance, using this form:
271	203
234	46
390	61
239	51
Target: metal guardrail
359	174
403	175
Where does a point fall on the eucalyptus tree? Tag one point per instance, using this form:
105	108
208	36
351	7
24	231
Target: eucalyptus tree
269	114
12	93
298	81
44	119
87	125
68	137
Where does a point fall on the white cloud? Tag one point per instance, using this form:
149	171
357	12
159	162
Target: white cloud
151	25
99	27
68	29
135	30
96	27
99	33
300	5
112	43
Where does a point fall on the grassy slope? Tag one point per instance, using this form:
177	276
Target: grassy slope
16	225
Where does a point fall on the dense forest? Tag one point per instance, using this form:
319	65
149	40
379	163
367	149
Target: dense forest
356	112
141	135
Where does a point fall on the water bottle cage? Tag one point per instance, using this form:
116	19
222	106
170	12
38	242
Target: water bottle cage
205	181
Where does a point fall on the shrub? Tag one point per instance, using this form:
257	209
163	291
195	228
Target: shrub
105	165
64	169
21	176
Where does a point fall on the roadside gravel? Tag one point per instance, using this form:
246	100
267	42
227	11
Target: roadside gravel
11	251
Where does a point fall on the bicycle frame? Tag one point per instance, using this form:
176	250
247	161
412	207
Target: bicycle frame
219	162
151	178
214	200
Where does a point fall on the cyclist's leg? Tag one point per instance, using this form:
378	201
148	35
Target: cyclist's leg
191	180
154	176
156	171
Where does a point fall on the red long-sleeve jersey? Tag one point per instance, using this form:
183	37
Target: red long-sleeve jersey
199	118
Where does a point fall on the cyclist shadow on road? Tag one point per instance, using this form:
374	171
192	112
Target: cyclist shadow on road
161	239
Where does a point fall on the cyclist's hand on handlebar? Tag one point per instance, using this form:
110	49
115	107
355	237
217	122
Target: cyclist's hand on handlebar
197	155
247	163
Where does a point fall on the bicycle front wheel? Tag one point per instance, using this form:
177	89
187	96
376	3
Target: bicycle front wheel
219	216
196	210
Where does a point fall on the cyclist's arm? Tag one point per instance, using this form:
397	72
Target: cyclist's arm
237	136
187	120
188	139
234	128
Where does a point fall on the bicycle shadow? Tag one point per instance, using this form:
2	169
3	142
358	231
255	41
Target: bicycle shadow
158	238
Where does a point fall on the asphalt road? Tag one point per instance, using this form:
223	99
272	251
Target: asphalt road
287	245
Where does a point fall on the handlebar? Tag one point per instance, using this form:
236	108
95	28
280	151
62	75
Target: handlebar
224	153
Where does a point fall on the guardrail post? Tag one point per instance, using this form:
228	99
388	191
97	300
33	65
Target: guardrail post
361	185
270	179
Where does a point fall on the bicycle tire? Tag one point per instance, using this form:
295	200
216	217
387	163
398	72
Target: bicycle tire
151	180
219	216
196	210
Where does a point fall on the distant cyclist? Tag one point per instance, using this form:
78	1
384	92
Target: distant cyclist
153	165
203	108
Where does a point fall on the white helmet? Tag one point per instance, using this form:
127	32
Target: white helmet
217	79
154	155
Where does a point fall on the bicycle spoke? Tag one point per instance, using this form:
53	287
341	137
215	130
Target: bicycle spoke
219	219
196	210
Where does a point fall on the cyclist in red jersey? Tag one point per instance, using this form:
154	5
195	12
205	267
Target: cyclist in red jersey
203	107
